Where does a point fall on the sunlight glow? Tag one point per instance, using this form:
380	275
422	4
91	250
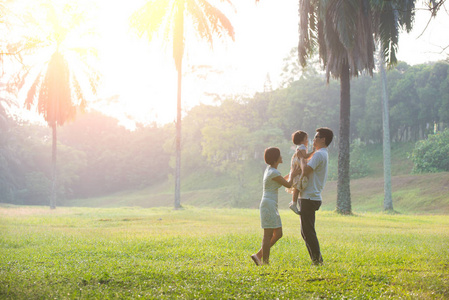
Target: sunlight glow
138	81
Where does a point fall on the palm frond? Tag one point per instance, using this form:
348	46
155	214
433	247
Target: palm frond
16	82
85	52
337	54
200	21
149	19
322	43
311	30
218	22
304	44
390	17
55	98
88	58
388	31
231	4
32	92
345	31
362	55
80	100
406	12
343	14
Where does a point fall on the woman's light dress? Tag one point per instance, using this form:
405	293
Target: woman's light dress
269	215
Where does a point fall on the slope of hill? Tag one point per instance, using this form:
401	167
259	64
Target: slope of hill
412	193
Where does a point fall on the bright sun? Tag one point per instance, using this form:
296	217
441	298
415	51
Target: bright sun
138	78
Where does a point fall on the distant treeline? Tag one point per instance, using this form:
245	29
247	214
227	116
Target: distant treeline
96	156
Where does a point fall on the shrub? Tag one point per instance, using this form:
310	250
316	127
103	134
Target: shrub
432	154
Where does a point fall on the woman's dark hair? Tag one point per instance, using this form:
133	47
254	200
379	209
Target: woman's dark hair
271	155
298	137
327	134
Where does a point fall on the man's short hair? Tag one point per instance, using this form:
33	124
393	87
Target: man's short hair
327	134
271	155
298	137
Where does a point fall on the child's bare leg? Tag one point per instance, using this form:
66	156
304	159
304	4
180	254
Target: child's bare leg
295	196
294	204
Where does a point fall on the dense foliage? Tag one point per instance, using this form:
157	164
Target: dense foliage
97	156
432	154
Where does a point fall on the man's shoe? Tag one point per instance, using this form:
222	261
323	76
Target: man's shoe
318	262
294	207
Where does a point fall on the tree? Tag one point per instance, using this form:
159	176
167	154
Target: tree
59	89
169	16
388	199
345	33
393	15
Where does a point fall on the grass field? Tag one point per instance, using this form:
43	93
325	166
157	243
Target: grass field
203	253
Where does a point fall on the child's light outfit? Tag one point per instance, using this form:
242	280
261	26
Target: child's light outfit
299	185
269	215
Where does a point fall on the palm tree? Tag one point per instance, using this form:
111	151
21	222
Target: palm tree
59	86
388	198
345	34
394	16
168	16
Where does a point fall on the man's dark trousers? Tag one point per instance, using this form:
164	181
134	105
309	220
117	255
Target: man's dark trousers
308	208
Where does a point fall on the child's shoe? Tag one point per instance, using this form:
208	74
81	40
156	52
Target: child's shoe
294	207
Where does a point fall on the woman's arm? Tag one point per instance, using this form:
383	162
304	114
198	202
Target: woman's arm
283	180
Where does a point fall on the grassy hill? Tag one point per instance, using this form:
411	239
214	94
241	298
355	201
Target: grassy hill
412	193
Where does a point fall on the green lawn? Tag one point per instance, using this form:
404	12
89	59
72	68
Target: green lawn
203	253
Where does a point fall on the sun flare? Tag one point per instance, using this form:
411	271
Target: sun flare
95	35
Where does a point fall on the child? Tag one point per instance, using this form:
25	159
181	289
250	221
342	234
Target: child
269	215
300	139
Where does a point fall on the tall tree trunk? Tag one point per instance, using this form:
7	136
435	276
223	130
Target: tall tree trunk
388	199
54	187
343	184
178	144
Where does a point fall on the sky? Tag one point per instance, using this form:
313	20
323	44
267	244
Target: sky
231	68
139	78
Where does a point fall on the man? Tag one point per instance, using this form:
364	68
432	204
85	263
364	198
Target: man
310	199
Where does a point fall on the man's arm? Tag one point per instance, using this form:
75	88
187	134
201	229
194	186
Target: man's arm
315	161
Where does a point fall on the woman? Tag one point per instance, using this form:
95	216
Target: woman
269	215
